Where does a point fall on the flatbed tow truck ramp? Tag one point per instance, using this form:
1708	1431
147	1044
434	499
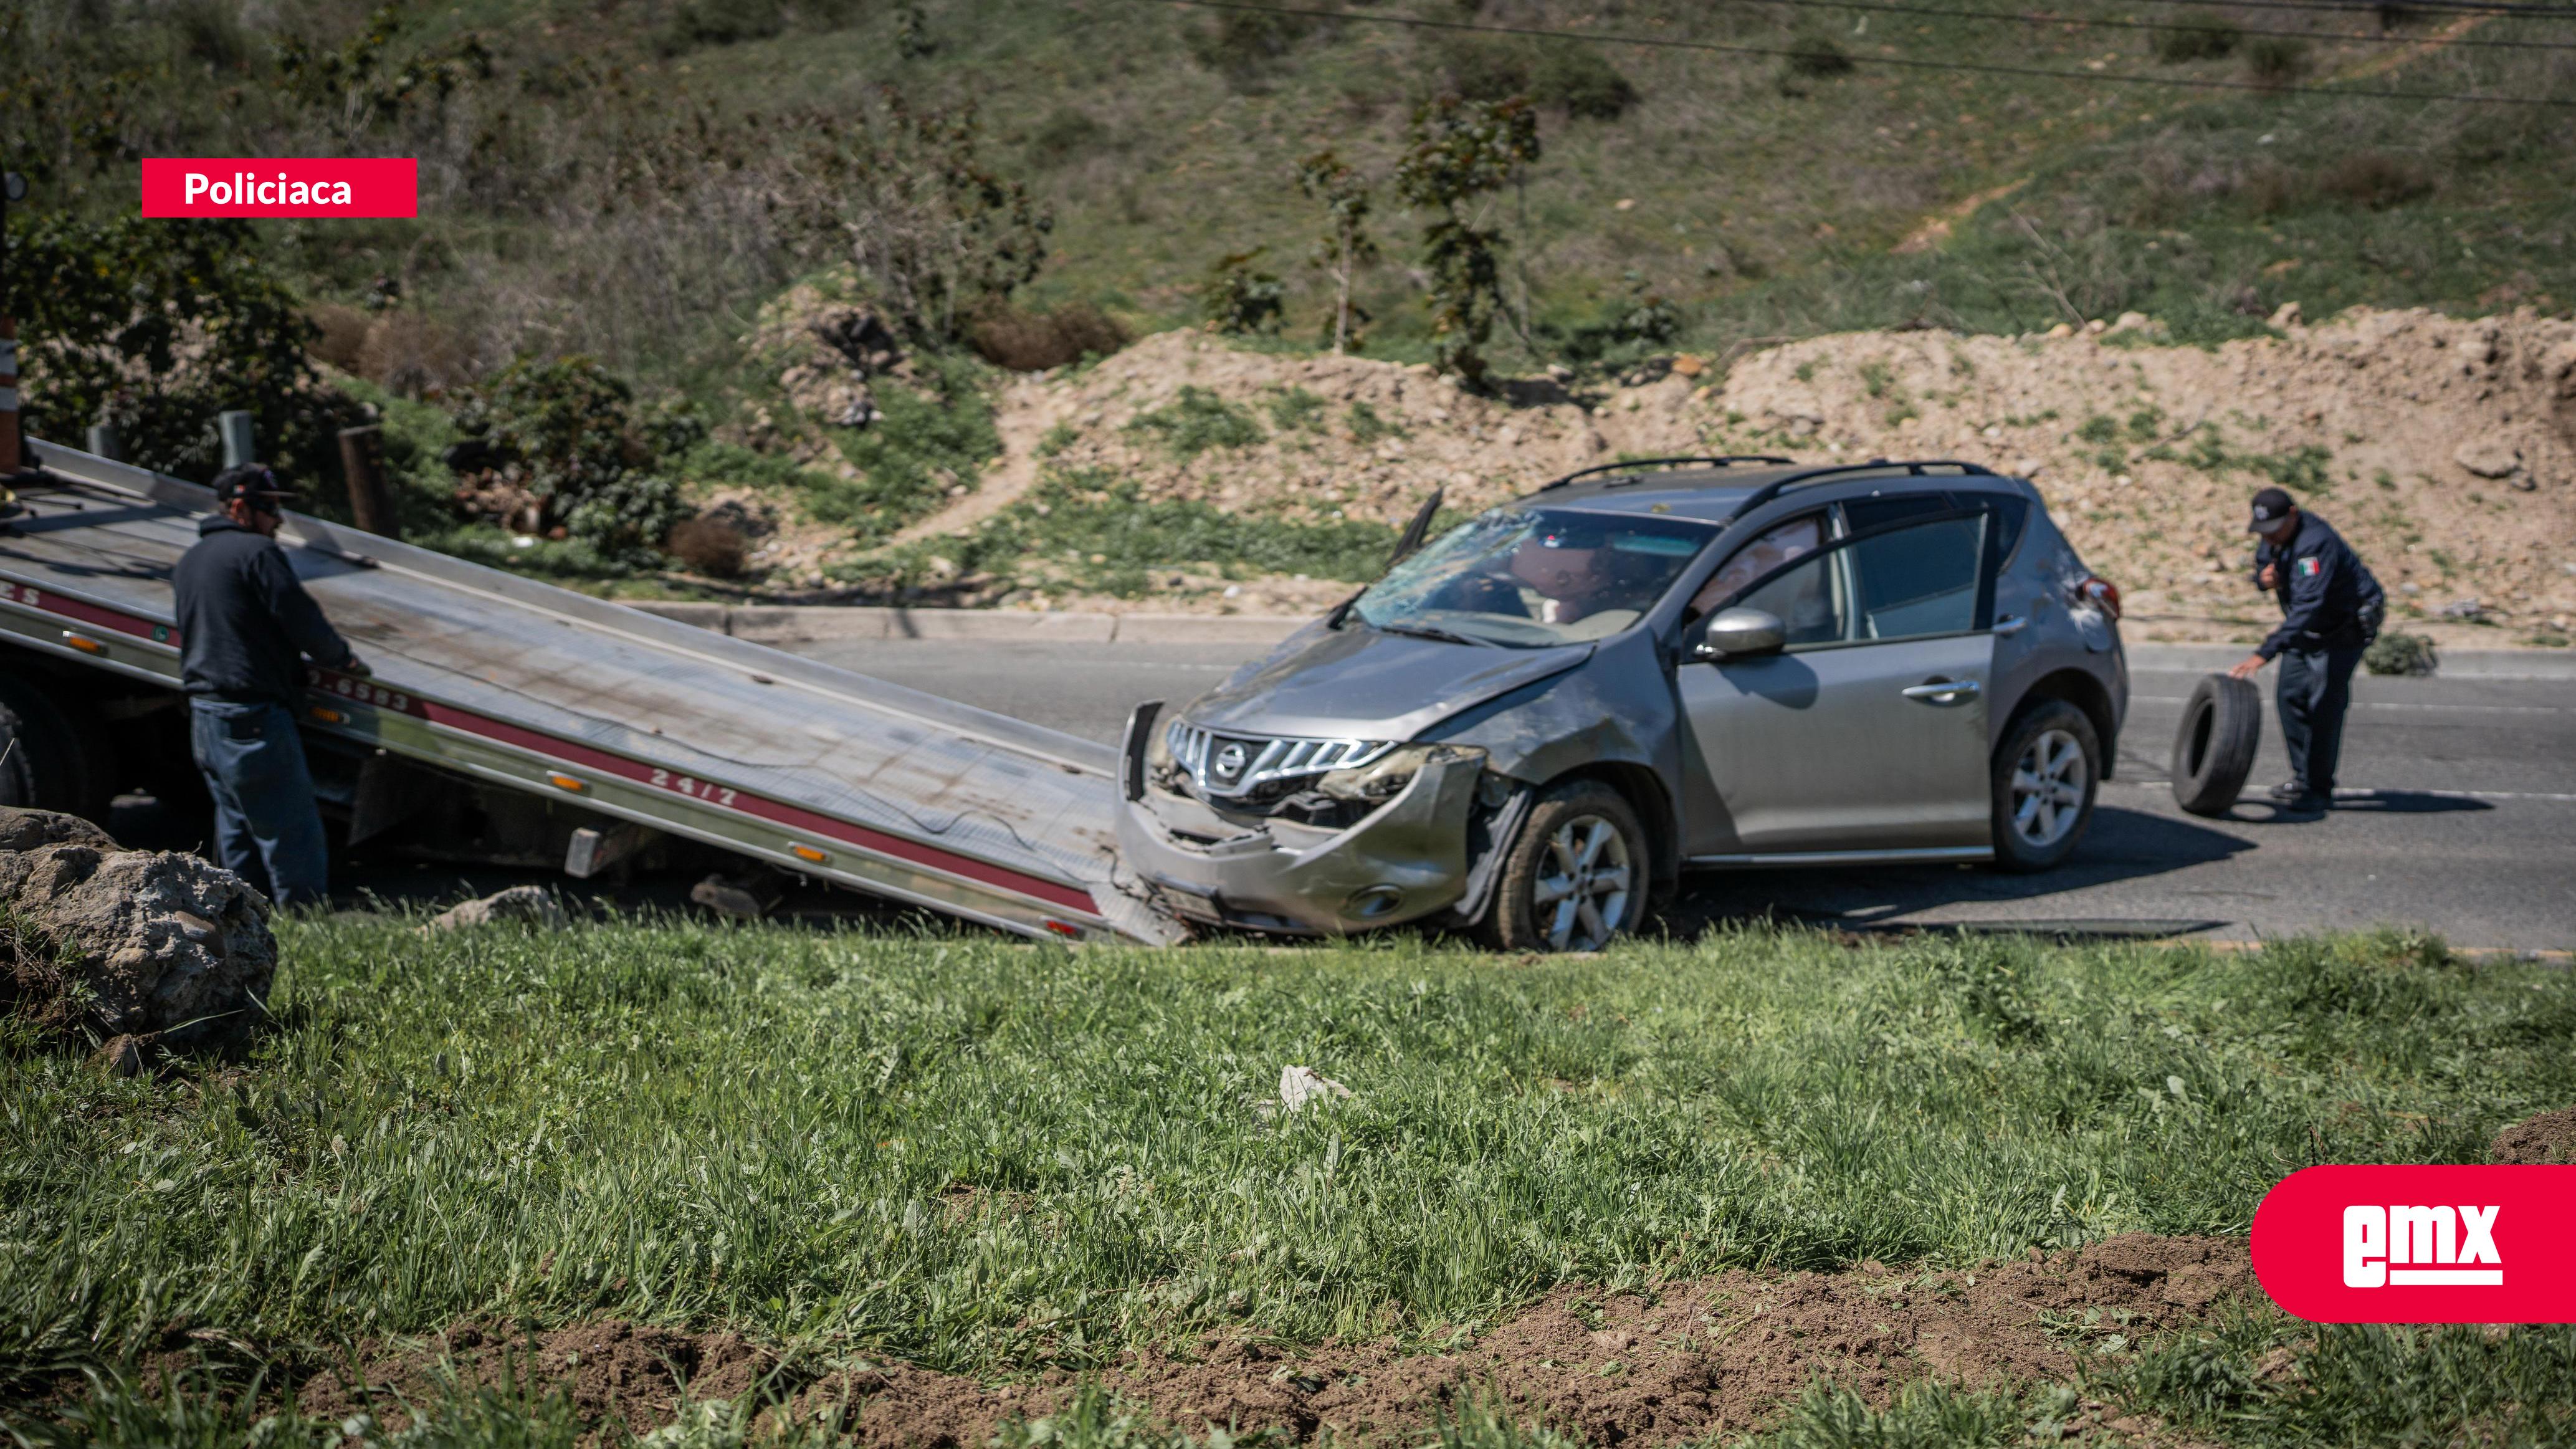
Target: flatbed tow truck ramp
826	773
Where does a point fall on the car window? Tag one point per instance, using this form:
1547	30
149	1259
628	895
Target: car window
1809	600
1793	539
1864	514
1920	580
1899	585
1525	577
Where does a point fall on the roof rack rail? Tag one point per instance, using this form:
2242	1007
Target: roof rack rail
1726	460
1778	486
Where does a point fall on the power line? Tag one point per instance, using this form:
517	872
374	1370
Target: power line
2035	18
1900	62
2503	9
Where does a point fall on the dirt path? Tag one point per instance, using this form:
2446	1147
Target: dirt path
1024	413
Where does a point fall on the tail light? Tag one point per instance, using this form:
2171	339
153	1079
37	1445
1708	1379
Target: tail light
2102	592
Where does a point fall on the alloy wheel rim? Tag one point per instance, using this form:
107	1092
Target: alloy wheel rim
1585	879
2048	788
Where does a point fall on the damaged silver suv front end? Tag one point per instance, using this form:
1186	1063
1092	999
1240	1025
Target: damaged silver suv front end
1303	835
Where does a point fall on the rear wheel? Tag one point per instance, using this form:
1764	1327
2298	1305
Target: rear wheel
50	763
1575	877
2045	776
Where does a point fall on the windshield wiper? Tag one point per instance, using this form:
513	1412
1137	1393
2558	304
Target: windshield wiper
1426	631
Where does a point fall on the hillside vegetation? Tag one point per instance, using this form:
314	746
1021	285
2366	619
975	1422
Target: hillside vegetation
676	189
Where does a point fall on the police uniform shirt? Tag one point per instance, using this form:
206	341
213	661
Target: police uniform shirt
2324	589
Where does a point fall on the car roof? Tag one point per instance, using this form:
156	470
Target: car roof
1717	494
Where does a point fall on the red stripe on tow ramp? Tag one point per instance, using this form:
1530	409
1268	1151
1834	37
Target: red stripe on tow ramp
331	684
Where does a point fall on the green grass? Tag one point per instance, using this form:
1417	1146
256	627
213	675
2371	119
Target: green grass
1196	420
981	1155
1088	528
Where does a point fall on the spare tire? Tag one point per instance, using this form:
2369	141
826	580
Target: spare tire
2213	752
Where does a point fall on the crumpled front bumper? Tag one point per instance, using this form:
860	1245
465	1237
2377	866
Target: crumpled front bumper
1403	861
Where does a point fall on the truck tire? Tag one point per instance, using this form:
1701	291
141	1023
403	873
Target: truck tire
1582	844
49	764
2046	774
2222	724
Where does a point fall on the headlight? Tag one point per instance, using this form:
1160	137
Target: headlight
1378	783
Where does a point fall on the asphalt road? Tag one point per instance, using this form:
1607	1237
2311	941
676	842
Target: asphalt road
2459	812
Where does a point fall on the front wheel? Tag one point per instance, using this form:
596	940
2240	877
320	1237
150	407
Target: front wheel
2045	776
1575	877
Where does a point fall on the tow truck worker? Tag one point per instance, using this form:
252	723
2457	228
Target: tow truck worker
2330	609
244	620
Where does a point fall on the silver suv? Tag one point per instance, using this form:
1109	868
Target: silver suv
1532	725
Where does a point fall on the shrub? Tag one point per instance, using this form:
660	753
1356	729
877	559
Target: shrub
2272	60
1026	341
1247	47
1817	55
702	23
1238	300
561	445
2198	37
708	545
1574	78
2376	180
2396	653
157	326
1067	132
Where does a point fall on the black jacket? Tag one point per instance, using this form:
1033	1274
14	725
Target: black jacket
244	619
2324	590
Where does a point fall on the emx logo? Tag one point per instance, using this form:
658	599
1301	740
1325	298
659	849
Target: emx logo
2415	1247
2421	1244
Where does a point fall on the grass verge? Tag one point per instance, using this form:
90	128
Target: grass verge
989	1158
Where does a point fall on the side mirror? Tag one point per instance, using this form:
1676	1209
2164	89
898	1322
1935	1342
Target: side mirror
1741	634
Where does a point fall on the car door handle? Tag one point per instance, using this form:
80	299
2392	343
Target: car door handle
2012	624
1943	691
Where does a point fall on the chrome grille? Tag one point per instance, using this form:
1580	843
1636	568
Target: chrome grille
1230	766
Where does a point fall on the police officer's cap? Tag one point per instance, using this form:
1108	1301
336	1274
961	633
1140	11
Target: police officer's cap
252	483
2270	507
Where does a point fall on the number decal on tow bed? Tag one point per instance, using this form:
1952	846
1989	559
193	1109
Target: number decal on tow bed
694	789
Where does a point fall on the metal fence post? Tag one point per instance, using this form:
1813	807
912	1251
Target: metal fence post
239	445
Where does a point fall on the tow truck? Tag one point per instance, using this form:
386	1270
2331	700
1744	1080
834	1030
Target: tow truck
510	720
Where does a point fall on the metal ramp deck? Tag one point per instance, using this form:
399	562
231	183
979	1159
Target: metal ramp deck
821	771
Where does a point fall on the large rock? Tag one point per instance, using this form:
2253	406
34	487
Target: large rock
140	943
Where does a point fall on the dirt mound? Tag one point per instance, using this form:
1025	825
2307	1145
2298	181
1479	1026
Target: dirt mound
1686	1362
632	1373
2444	448
2547	1138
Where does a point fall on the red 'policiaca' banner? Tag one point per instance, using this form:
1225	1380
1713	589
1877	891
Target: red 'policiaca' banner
266	186
2421	1244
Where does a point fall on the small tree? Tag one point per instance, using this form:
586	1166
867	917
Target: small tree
1459	151
1346	245
1238	300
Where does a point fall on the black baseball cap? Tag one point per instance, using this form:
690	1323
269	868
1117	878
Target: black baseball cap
2270	507
252	483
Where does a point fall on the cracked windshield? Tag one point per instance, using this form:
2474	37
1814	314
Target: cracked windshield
1526	578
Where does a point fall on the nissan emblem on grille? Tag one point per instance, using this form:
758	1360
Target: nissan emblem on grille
1231	760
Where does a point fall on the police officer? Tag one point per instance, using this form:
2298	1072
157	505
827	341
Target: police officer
243	621
2330	611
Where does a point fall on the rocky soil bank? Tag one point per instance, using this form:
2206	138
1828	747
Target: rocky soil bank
2444	448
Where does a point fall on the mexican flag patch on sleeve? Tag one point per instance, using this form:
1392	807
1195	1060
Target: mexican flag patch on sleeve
2308	568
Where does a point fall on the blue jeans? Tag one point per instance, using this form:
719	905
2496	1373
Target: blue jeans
2316	690
267	830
